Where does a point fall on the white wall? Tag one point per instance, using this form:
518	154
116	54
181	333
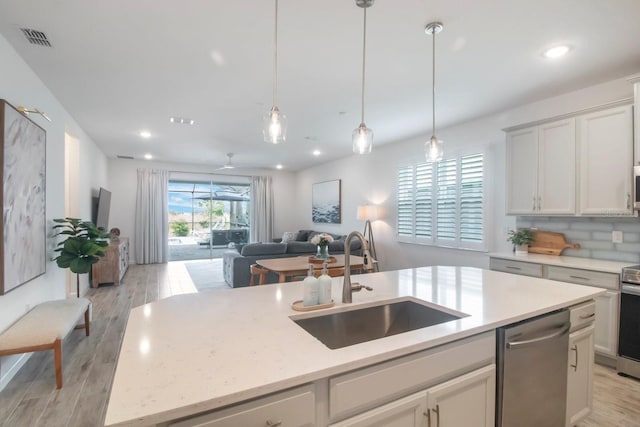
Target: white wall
20	86
372	178
123	181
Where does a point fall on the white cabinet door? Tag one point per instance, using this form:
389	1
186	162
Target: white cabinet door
606	333
406	412
522	171
606	160
580	375
467	401
556	168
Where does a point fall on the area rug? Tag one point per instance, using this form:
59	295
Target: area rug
206	274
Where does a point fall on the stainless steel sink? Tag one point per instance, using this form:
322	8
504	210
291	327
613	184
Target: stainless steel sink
346	328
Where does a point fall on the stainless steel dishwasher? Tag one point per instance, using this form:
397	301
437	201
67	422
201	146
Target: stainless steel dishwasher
532	372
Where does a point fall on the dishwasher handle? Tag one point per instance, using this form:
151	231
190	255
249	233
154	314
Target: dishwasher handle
564	329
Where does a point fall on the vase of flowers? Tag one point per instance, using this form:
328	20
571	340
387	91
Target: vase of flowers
322	241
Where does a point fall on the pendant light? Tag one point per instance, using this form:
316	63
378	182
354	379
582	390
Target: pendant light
434	148
362	136
274	123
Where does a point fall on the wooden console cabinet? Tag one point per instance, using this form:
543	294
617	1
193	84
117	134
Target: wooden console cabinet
113	264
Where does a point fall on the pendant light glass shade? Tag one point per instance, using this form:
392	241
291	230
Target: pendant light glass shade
274	126
274	123
362	138
434	148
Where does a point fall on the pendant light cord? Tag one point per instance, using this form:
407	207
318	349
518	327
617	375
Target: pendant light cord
275	59
433	84
364	53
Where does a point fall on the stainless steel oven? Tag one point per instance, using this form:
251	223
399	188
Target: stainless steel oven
629	336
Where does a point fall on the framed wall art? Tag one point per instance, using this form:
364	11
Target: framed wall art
325	202
23	162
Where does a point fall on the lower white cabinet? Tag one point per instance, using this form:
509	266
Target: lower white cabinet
580	375
606	332
291	408
465	401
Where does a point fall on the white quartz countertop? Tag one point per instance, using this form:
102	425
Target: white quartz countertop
567	261
196	352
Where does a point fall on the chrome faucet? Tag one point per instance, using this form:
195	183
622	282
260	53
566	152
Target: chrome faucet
367	263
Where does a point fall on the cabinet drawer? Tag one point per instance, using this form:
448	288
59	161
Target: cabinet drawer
584	277
582	315
295	408
516	267
360	390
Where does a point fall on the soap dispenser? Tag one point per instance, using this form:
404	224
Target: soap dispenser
310	289
324	286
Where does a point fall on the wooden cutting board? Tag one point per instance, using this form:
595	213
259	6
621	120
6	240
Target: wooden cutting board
550	243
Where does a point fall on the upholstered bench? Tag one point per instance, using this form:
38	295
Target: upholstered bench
44	328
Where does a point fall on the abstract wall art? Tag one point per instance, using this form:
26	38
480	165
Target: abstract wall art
325	202
23	162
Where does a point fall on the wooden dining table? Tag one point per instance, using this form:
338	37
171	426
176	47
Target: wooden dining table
298	266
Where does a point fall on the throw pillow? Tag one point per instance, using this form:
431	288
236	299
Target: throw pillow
289	236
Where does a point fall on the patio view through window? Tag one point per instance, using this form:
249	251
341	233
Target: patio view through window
205	219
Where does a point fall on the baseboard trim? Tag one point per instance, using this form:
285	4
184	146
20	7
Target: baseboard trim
13	369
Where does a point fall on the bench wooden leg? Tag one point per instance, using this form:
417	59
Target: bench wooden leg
57	355
86	322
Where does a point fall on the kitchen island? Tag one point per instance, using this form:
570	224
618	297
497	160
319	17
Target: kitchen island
197	353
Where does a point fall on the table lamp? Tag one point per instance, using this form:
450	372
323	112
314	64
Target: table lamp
369	213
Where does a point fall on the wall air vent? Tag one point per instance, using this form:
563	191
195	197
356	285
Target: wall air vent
36	37
125	157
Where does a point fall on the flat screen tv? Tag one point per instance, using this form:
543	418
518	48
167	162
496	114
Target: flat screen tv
102	210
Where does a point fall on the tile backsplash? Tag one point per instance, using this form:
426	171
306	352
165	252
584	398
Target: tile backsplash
593	234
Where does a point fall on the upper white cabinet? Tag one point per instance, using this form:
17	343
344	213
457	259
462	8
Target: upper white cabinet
606	160
541	169
576	166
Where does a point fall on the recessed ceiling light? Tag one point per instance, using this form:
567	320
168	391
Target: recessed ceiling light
148	156
556	52
316	152
279	166
145	134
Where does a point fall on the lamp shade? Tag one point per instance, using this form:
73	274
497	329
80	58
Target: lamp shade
367	212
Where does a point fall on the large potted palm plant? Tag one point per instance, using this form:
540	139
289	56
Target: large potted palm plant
83	245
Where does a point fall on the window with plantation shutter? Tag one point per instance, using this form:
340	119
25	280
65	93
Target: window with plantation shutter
442	203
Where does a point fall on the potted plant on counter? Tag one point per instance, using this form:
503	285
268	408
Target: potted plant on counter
83	246
521	238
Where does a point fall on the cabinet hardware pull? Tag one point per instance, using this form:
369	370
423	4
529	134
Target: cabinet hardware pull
534	202
628	201
437	412
428	415
274	423
575	367
580	278
588	316
539	203
513	268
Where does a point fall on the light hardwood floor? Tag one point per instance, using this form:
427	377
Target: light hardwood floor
31	398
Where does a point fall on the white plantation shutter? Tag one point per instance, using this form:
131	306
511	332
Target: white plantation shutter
405	201
442	203
471	200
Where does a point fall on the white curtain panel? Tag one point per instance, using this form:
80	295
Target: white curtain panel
261	209
152	217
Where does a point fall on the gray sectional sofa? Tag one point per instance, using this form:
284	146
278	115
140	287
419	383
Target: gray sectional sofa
236	265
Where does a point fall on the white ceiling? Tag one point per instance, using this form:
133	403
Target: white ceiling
120	66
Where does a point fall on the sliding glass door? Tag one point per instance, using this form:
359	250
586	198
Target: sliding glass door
206	218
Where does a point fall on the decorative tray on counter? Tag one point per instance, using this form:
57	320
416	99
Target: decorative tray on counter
314	260
299	306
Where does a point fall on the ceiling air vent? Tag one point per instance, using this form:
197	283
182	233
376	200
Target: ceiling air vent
125	157
36	37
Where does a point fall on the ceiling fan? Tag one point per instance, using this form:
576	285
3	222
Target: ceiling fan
228	165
